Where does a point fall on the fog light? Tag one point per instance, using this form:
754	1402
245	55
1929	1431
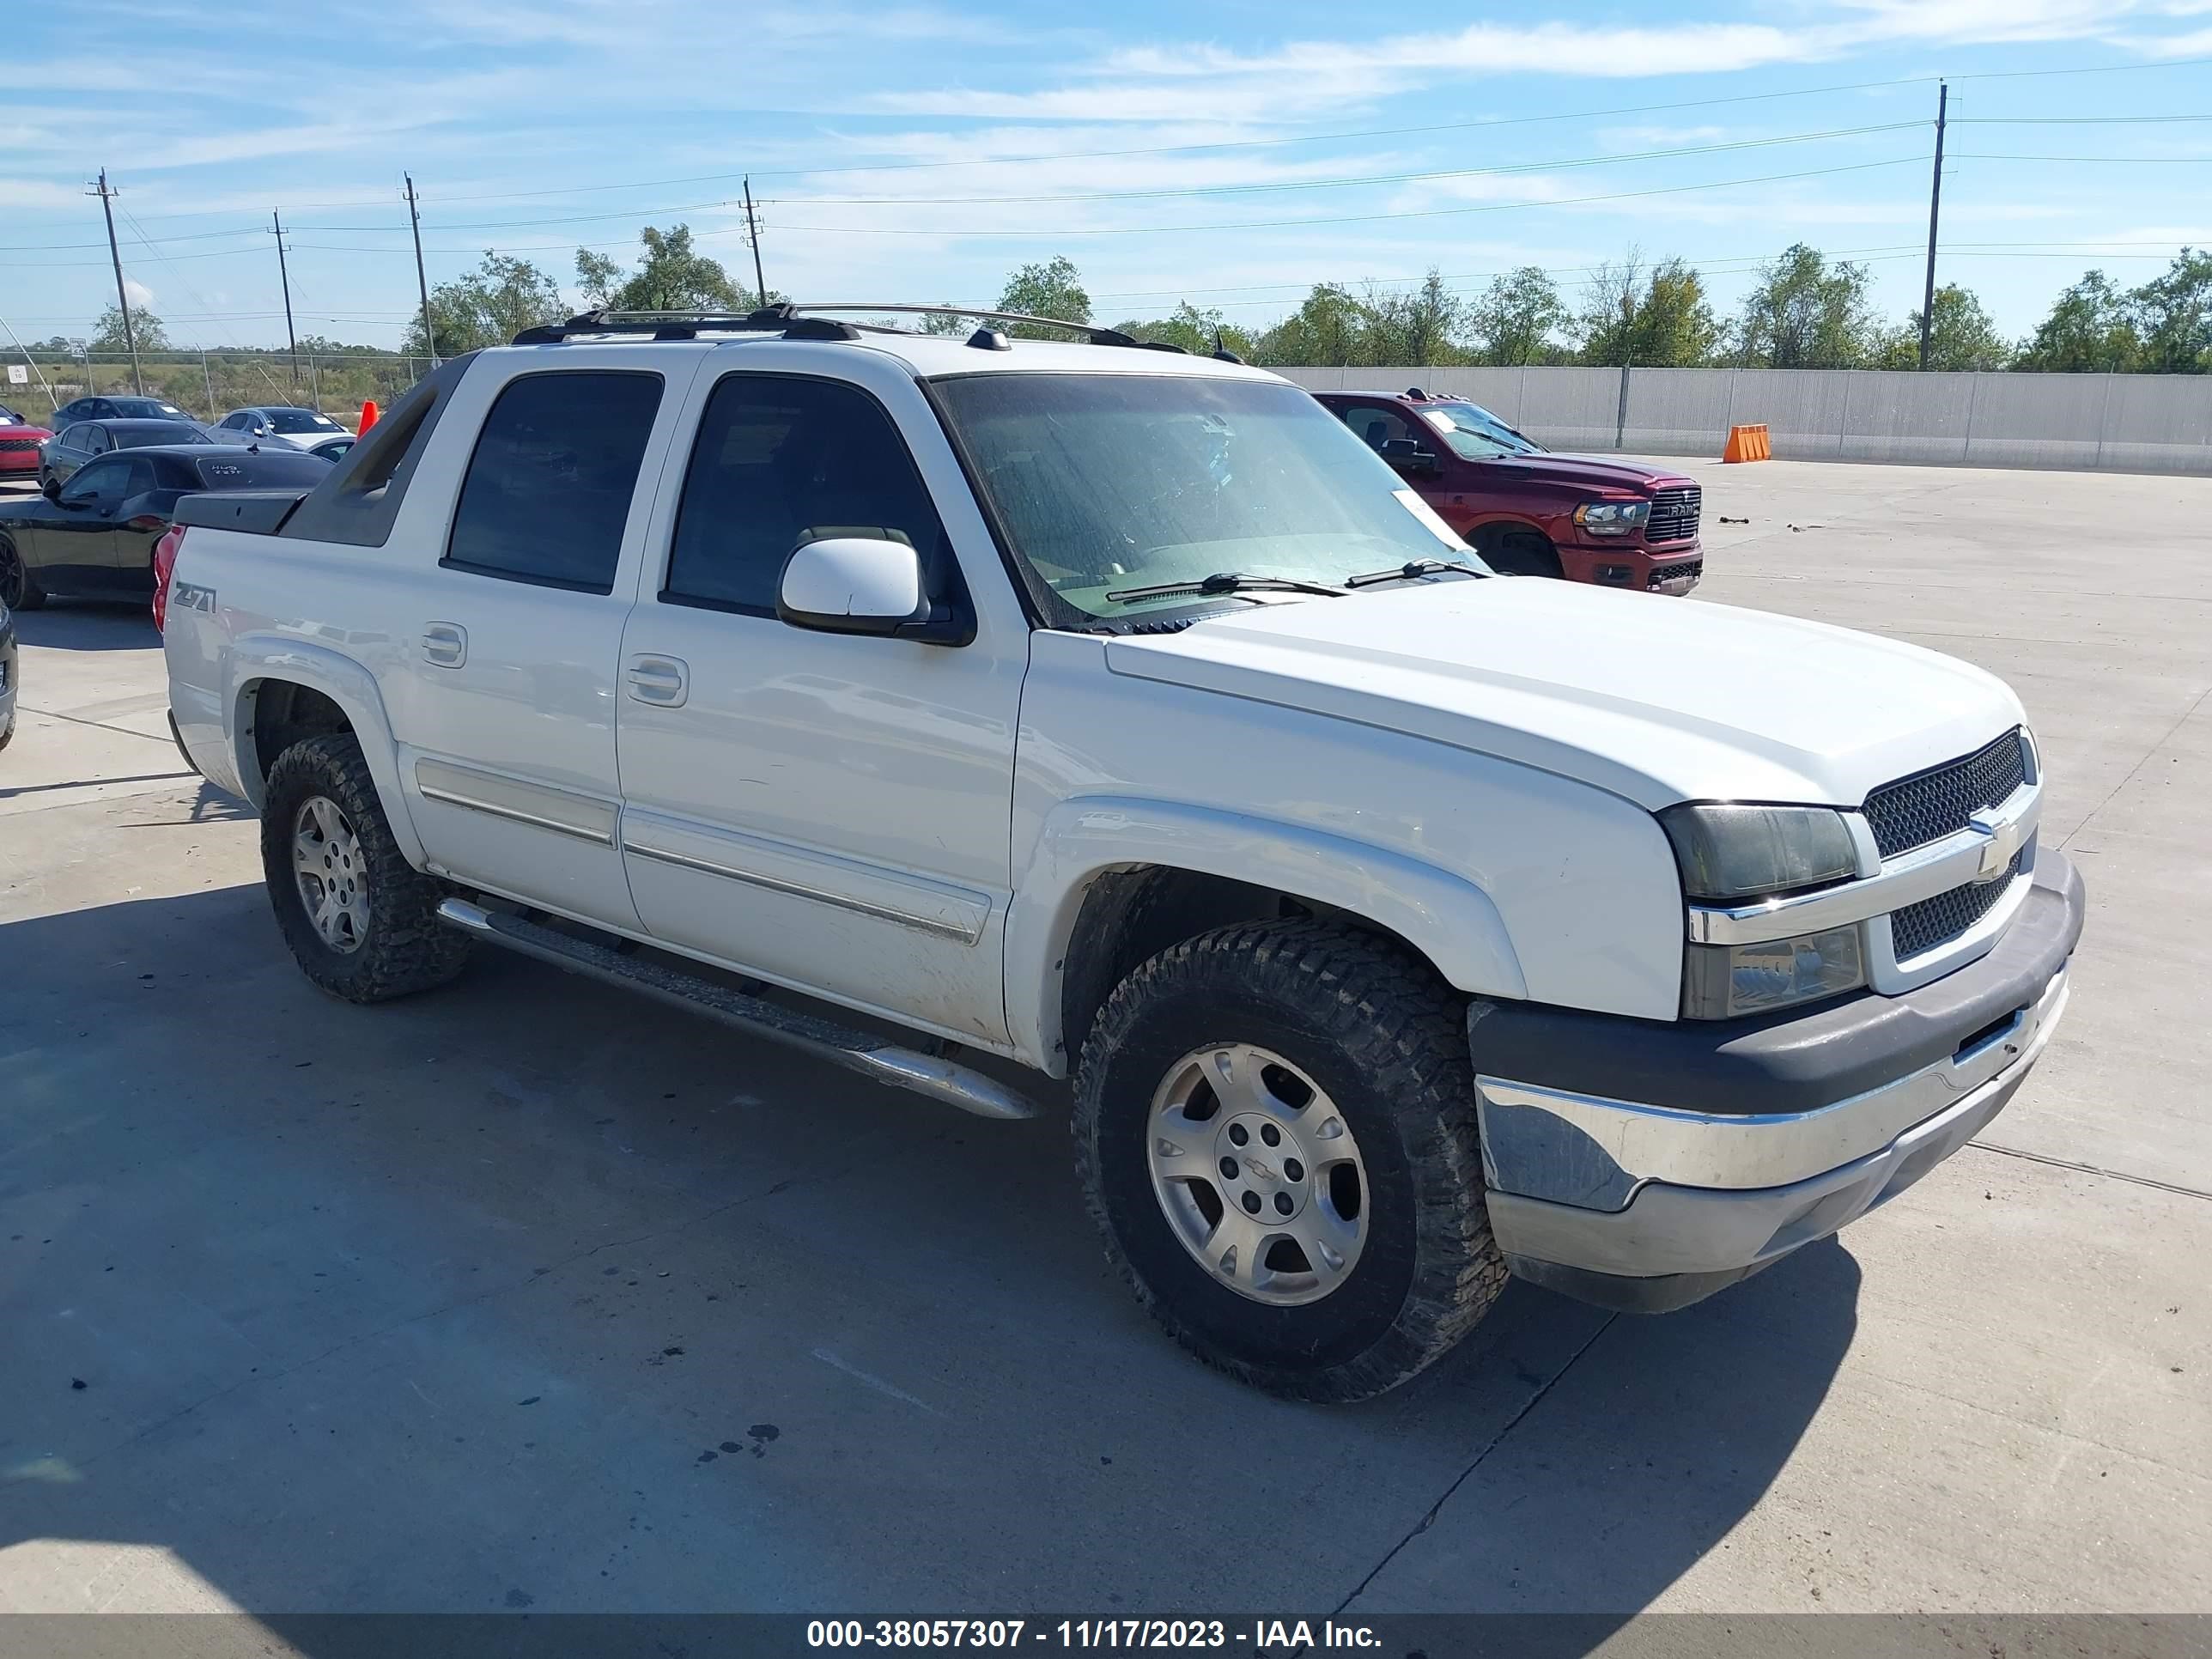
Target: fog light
1723	982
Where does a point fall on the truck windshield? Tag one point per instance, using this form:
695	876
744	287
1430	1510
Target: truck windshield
1109	483
1475	434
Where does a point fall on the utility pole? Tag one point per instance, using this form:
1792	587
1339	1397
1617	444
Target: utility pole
1935	207
752	235
129	335
290	334
1627	357
422	282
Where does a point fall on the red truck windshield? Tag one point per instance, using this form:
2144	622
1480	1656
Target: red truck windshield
1475	433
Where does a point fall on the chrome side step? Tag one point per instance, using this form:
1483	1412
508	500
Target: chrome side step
841	1045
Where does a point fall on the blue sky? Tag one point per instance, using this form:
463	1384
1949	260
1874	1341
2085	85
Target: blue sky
921	151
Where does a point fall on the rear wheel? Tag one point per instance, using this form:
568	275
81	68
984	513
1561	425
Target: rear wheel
19	590
1274	1125
361	920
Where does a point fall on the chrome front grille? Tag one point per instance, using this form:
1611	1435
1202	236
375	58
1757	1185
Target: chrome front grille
1674	514
1942	800
1921	928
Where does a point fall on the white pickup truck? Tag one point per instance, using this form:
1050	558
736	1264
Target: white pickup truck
1117	712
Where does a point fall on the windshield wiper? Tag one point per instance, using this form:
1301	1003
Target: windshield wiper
1406	571
1226	581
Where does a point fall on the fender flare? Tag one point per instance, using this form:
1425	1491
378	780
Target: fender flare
1447	918
258	657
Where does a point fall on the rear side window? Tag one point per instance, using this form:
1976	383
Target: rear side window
549	487
781	460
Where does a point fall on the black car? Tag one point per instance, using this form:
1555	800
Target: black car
117	409
7	676
95	536
73	447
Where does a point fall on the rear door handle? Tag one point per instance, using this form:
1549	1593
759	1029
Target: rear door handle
445	645
664	681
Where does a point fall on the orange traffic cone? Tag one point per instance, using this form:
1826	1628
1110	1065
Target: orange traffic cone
368	418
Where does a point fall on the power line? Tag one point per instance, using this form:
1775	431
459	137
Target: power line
1349	219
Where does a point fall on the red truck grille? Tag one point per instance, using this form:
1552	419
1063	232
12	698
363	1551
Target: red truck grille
1674	514
17	446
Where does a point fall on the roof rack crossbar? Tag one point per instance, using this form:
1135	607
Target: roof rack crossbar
792	318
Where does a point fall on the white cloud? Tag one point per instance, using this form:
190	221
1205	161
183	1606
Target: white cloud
139	293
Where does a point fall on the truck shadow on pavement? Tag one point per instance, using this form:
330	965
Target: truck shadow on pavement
524	1294
89	625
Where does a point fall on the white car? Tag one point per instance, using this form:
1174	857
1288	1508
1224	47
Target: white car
303	429
1119	714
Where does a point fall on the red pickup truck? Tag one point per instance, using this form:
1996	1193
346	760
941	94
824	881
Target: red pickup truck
1526	510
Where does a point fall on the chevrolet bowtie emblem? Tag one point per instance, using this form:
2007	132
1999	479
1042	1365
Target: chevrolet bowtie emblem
2003	841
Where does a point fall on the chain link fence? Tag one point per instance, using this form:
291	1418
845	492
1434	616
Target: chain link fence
209	384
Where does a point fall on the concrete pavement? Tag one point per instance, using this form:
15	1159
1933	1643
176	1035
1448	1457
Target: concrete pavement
527	1296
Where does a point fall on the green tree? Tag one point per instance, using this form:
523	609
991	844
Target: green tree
1052	288
489	306
2173	315
1661	318
940	322
2089	330
1326	330
1194	329
1806	312
146	328
673	276
1516	317
1962	336
1417	326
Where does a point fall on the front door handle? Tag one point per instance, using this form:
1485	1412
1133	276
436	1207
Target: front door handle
445	645
664	681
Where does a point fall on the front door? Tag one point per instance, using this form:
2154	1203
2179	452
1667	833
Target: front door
73	550
827	811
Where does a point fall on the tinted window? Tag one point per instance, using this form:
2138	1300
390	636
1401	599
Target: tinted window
549	487
237	469
137	437
1376	424
101	482
778	461
137	478
293	422
150	409
93	440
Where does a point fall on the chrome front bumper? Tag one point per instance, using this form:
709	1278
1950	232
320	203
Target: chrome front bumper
1648	1206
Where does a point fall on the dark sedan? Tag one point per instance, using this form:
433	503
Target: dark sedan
73	447
93	537
96	408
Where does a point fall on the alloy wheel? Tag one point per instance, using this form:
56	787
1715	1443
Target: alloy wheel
331	872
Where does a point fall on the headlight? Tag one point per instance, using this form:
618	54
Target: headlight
1720	981
1732	853
1612	518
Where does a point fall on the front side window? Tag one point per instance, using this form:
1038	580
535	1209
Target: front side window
1376	424
99	484
547	490
1103	484
779	460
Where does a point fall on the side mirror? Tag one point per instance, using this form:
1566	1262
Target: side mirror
52	492
853	585
1408	452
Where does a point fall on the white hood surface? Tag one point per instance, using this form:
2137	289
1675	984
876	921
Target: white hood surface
1658	700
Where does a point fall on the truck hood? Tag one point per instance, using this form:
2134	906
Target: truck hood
1658	700
1597	472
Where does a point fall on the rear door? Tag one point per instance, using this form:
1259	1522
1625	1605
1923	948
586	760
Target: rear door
522	535
826	811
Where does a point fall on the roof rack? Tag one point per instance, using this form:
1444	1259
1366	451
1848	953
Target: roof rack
791	320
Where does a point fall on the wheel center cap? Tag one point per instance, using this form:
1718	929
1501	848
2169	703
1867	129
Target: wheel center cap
1264	1170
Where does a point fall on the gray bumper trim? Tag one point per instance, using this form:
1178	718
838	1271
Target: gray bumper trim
1714	1236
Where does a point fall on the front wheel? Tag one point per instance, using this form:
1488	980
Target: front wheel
19	589
1275	1129
361	922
